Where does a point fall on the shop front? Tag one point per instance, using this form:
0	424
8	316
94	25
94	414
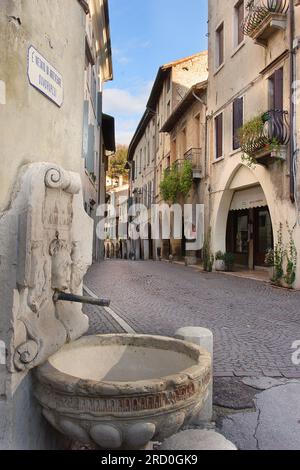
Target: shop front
249	228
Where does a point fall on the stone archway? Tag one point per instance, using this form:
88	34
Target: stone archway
238	177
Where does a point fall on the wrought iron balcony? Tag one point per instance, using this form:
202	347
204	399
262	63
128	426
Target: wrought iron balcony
268	141
193	155
264	18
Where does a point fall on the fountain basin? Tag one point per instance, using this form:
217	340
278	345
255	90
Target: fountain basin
122	391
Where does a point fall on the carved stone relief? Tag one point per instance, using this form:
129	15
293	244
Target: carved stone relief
52	234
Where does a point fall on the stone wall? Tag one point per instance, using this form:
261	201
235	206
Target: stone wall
34	129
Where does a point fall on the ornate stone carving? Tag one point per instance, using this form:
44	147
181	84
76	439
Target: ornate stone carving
52	235
119	414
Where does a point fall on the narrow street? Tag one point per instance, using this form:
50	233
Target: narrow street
254	324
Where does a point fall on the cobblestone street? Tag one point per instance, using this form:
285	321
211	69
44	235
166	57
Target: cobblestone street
254	324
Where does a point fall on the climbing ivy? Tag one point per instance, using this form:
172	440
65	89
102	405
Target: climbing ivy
178	181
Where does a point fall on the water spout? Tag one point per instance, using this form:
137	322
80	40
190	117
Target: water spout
66	297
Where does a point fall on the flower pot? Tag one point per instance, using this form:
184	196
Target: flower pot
220	265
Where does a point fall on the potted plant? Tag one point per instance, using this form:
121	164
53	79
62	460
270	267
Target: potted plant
220	263
269	261
229	260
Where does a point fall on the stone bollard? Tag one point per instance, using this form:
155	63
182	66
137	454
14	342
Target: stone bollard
204	338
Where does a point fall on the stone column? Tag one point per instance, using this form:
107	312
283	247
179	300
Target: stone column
204	338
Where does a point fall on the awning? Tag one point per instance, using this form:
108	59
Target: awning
108	131
248	199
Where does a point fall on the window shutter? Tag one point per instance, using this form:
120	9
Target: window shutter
99	108
85	129
221	44
89	162
238	106
133	170
278	89
219	135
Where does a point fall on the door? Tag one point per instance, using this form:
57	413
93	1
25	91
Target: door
263	235
238	236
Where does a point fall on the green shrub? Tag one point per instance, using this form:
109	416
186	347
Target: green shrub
178	181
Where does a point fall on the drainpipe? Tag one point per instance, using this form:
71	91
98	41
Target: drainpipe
293	128
205	144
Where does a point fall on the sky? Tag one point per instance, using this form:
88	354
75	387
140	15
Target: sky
146	34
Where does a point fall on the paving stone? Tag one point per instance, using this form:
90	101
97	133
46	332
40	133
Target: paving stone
263	383
279	419
240	429
232	393
197	440
254	325
275	425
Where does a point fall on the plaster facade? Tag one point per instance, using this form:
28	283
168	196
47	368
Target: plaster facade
228	173
150	150
38	128
33	129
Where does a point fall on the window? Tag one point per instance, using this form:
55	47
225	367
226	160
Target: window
141	161
168	162
169	83
219	135
148	153
220	45
276	90
133	174
238	111
239	15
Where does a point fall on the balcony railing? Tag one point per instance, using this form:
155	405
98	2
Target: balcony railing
264	17
268	141
193	155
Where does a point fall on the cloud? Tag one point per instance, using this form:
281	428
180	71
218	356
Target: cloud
127	108
123	137
119	101
121	57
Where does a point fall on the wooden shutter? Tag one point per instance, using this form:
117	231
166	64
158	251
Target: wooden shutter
85	141
238	112
278	89
90	160
219	135
220	34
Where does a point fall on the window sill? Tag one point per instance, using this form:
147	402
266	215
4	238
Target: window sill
234	152
217	160
240	46
219	68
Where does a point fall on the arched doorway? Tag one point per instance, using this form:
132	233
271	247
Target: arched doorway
249	232
243	218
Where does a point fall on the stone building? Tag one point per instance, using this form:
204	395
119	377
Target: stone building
116	225
45	235
98	128
150	150
187	129
253	48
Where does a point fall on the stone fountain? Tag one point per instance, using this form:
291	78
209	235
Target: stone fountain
109	391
